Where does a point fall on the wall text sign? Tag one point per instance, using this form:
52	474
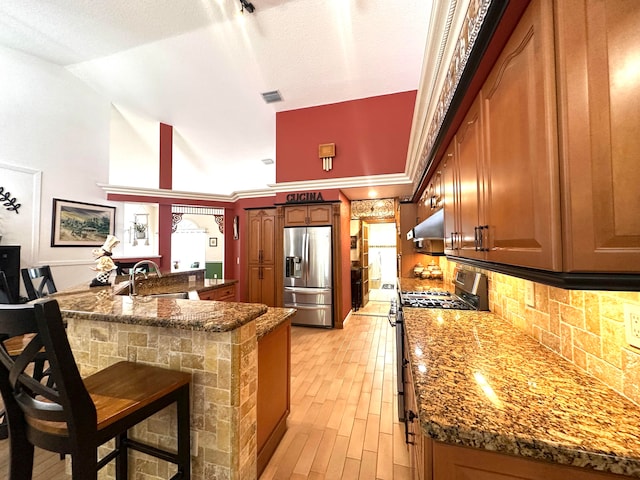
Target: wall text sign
304	197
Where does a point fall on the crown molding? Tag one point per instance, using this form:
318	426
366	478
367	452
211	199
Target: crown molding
272	190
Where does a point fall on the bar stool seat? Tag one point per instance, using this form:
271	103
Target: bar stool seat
75	416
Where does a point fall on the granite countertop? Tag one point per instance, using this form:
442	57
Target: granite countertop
212	316
482	383
113	304
269	321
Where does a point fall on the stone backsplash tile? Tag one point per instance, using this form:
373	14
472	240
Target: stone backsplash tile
585	327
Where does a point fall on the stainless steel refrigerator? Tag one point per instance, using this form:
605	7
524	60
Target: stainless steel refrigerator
308	275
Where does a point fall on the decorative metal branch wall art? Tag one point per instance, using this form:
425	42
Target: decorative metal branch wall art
8	202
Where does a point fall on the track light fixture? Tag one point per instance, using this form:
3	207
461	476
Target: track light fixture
246	5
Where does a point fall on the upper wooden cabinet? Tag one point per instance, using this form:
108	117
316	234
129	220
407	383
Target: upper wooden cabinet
305	215
468	163
450	202
501	182
262	234
520	218
599	91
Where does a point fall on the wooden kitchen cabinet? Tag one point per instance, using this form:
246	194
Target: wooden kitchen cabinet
274	391
468	164
450	203
262	284
520	224
435	192
501	182
307	215
599	91
262	256
432	197
222	294
262	234
452	462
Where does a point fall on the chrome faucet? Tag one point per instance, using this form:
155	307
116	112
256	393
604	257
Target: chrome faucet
132	274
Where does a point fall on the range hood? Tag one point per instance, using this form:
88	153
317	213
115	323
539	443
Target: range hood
428	235
431	228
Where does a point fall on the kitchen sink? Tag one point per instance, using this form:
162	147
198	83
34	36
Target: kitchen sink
184	295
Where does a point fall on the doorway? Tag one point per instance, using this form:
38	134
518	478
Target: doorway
382	261
197	241
377	257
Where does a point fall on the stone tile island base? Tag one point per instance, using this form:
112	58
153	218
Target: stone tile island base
223	392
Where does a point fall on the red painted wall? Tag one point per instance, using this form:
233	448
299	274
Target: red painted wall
371	137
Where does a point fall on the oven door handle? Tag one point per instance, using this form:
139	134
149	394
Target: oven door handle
390	315
409	417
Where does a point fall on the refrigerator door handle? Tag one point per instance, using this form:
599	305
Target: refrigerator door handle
306	249
302	306
306	290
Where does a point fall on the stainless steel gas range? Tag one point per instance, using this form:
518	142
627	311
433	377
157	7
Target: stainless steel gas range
471	293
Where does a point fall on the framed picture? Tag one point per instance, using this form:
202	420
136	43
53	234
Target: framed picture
79	224
213	241
354	242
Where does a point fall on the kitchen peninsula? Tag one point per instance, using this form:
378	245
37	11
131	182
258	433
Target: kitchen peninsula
216	341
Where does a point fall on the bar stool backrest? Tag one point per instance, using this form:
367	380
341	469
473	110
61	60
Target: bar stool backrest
5	293
38	282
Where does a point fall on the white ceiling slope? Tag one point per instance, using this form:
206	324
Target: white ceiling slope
200	65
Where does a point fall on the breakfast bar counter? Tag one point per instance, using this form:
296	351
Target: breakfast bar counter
215	341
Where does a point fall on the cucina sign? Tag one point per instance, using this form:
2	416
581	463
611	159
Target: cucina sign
304	197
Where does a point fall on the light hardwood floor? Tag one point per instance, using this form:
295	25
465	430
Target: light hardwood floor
343	422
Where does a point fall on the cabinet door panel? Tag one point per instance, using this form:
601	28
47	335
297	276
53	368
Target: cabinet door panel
268	286
254	238
451	462
295	216
469	158
521	161
268	239
255	284
600	94
449	178
319	214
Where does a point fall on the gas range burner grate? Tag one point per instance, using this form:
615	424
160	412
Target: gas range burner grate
426	293
437	303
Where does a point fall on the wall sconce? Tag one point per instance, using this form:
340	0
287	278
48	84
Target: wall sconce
326	152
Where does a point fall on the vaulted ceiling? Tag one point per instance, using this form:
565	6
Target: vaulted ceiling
201	65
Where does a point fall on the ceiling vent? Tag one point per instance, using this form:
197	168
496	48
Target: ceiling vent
272	97
267	161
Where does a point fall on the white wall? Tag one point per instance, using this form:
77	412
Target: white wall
54	127
134	156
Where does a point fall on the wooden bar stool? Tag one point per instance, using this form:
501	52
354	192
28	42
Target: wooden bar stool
38	282
5	293
76	416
